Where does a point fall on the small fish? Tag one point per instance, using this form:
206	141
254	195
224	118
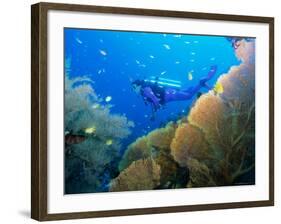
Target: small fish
212	59
151	56
187	42
110	106
109	142
96	106
101	40
218	88
78	40
145	115
196	41
99	71
167	46
138	62
190	76
164	35
191	60
192	53
102	52
177	36
177	62
162	73
90	130
108	99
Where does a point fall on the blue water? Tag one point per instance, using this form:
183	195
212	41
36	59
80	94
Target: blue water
113	59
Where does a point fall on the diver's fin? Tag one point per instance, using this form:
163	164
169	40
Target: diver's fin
210	75
212	72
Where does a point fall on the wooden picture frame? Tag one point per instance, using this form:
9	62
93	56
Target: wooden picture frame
39	109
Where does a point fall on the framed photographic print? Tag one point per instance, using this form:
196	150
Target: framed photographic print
139	111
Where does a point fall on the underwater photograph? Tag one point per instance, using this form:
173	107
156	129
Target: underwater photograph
155	111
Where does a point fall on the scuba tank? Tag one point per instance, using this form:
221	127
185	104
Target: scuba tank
163	82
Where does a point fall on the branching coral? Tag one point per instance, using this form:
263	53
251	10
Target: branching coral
143	174
91	160
79	113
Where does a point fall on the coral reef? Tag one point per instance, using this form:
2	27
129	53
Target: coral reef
147	146
143	174
200	174
137	150
213	145
92	141
207	114
189	141
217	144
156	145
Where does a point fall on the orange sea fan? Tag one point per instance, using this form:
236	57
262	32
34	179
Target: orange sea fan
200	174
207	115
144	147
143	174
246	51
188	142
162	137
239	84
135	151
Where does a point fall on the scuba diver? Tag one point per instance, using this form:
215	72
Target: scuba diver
157	95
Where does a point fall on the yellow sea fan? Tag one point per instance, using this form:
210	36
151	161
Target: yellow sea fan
188	143
143	174
162	137
207	114
135	151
